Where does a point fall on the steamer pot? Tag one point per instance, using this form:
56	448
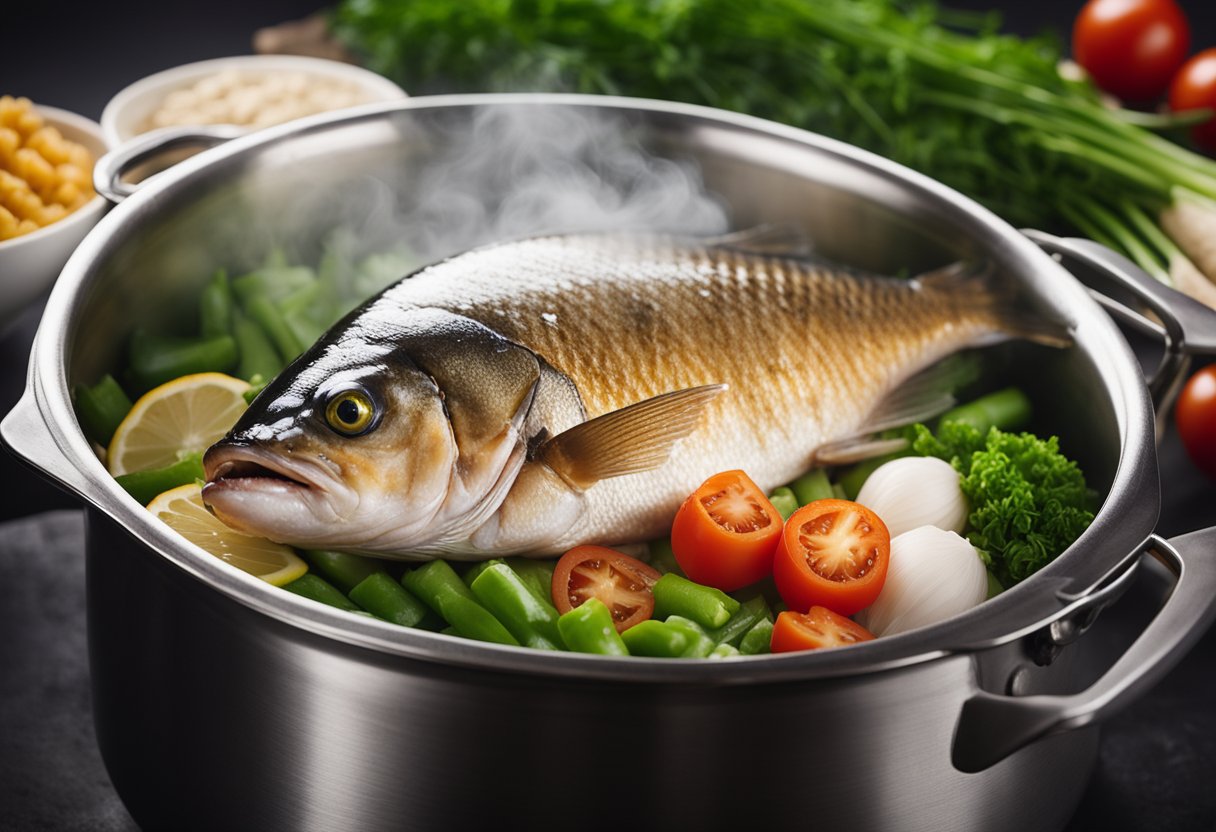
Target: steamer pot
223	703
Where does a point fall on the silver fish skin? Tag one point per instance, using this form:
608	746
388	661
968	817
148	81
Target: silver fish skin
530	396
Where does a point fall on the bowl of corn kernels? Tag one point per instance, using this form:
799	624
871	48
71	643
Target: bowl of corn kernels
47	203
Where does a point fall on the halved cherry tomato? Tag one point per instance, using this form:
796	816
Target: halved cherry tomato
1194	88
834	554
725	532
1195	415
817	627
1131	48
621	582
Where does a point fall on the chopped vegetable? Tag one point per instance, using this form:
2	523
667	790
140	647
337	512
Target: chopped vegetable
1195	416
589	628
385	598
1131	48
158	359
815	629
101	408
749	614
833	553
145	485
812	486
705	605
318	589
623	584
441	589
215	307
784	501
1028	501
258	355
934	575
700	644
655	638
724	534
346	571
915	491
757	639
532	621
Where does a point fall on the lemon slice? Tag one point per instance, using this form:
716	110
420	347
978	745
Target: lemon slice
182	416
183	511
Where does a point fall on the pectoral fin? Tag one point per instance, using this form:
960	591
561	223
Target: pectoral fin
627	441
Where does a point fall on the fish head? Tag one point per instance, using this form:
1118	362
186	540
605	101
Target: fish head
343	452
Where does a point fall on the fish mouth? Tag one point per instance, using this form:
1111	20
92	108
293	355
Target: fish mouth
241	468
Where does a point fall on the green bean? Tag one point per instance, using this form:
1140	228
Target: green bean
662	557
476	569
838	491
1006	409
724	651
257	383
258	356
588	628
145	485
532	621
385	598
812	486
700	644
751	611
656	639
101	408
537	574
344	570
440	588
709	607
784	501
215	307
854	477
268	317
303	327
272	283
156	359
757	638
318	589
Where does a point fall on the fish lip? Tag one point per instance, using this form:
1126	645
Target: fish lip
233	463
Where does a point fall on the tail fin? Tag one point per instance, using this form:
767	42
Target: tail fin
978	288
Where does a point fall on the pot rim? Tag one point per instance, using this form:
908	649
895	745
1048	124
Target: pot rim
1052	592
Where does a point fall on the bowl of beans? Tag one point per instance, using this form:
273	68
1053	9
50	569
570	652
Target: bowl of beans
250	91
47	202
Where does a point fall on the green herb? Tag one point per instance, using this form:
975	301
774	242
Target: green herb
1028	501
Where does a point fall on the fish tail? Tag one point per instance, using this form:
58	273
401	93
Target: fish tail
979	289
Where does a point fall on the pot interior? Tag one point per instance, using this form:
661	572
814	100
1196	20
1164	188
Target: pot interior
438	176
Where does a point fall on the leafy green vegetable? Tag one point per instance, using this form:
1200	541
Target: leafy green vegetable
1028	501
940	91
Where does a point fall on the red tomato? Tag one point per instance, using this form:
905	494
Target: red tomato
834	554
816	628
1131	48
725	533
1193	88
1195	415
621	582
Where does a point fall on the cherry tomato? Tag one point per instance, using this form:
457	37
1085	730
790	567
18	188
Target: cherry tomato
725	532
834	554
1131	48
1195	415
621	582
1193	88
817	627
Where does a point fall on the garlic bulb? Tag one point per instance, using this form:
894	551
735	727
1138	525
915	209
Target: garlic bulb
915	491
933	575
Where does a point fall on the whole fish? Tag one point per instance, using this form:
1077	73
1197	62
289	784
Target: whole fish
530	396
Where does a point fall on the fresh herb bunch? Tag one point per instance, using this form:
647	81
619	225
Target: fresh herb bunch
940	91
1028	501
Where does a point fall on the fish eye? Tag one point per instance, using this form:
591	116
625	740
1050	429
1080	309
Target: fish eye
350	412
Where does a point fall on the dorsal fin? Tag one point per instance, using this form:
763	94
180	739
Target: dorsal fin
627	441
777	240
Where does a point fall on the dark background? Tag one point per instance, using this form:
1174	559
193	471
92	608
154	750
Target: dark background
1158	757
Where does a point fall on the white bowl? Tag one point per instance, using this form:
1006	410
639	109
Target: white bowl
128	112
30	263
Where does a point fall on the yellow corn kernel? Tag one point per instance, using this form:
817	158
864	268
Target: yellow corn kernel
9	142
8	224
50	145
69	194
35	170
73	174
51	213
26	226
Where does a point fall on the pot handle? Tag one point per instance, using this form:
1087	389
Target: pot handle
992	726
110	168
1187	326
33	439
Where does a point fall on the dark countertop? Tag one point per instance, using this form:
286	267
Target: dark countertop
1158	757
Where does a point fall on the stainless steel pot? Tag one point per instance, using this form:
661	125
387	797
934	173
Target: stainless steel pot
222	703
